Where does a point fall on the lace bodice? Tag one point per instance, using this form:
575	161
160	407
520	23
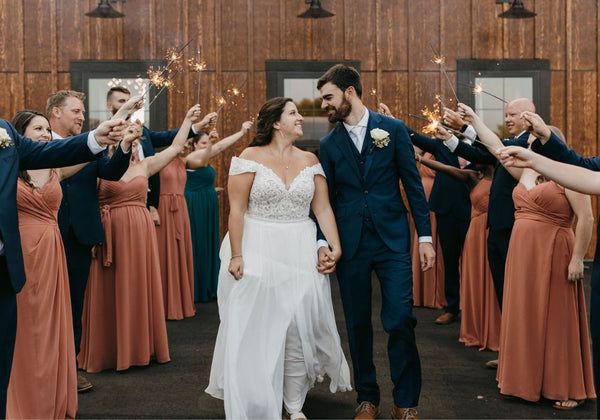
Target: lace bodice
269	197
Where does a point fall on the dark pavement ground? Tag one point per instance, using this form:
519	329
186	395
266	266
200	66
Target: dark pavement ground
456	383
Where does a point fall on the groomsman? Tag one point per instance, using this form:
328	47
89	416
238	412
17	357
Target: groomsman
79	213
18	152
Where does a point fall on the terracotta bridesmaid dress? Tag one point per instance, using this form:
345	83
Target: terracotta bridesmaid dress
124	315
428	287
43	381
544	338
175	243
480	312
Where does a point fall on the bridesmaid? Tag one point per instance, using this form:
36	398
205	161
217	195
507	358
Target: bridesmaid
480	313
203	208
43	382
544	337
124	318
428	286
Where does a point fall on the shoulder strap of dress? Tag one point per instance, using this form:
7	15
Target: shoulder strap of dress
240	166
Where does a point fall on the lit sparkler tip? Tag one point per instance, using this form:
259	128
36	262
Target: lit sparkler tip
439	59
478	89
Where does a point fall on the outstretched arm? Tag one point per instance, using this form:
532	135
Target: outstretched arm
487	136
155	163
572	177
322	210
462	175
230	140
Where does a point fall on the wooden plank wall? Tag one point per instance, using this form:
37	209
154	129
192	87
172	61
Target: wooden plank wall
390	38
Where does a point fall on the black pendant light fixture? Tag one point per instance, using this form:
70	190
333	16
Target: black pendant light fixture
315	10
104	10
517	11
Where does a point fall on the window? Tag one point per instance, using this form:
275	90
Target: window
96	77
485	85
297	79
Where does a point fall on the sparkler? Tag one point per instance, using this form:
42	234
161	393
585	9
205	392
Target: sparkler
373	92
478	88
438	123
157	78
438	59
199	66
221	101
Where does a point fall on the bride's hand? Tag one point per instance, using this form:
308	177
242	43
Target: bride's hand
236	267
327	260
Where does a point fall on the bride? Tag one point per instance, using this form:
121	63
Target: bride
277	334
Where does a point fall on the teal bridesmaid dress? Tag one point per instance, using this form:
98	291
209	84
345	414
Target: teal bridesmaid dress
203	207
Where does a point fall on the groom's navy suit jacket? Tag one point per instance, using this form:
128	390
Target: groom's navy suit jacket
366	186
25	153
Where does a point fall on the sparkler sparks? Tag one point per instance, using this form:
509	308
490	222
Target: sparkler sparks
438	59
478	89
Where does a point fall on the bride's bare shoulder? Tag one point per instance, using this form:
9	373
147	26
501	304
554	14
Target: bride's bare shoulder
309	158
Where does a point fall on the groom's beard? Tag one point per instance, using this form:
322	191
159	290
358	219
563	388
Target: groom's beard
340	113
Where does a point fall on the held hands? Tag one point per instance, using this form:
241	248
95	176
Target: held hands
327	260
132	132
426	255
209	118
516	157
537	125
236	266
109	132
453	119
193	114
132	105
383	109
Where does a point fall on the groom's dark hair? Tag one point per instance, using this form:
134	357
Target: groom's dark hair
343	76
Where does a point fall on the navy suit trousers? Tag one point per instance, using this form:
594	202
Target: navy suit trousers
8	331
497	243
79	259
394	271
451	231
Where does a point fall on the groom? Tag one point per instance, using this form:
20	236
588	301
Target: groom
365	157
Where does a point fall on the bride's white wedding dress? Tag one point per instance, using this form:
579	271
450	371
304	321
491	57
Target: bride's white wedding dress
280	284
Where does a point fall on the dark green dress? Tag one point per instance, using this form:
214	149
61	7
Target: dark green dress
203	207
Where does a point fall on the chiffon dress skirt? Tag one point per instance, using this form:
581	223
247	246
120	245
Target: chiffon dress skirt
203	208
43	380
175	243
280	285
544	337
480	311
428	286
123	313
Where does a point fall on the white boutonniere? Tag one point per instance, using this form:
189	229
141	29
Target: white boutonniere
380	137
5	140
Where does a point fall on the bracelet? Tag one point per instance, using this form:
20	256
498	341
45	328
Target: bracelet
236	256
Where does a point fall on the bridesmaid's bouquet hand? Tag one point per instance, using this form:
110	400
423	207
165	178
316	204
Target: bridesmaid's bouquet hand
236	266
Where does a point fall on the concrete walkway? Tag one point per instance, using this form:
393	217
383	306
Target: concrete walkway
456	383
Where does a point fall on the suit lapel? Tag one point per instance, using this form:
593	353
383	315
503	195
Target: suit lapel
343	141
374	120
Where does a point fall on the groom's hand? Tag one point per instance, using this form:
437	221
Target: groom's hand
426	255
326	263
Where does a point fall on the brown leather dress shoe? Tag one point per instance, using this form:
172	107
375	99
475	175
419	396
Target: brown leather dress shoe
367	411
83	385
404	413
446	318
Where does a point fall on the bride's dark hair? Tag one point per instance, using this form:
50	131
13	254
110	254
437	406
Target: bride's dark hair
268	115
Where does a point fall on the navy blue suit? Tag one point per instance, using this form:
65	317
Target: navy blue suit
557	150
371	217
150	140
80	224
23	153
449	200
501	212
